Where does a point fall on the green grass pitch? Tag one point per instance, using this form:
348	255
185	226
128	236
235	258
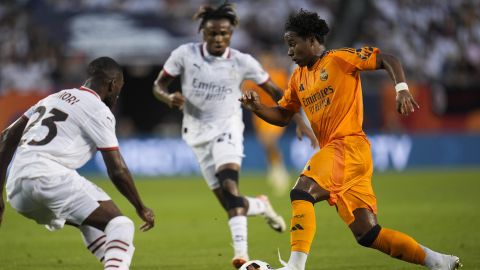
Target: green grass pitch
439	208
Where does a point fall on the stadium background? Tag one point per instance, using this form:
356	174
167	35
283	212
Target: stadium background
46	44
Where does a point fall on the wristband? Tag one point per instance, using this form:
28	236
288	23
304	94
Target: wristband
401	86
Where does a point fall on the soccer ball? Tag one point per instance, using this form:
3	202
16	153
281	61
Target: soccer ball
255	265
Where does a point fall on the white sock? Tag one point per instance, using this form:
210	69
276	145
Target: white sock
94	240
432	258
255	206
238	228
297	260
119	247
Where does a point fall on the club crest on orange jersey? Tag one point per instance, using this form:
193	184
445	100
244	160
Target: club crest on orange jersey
323	75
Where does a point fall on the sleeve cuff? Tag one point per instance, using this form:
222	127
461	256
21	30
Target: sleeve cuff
114	148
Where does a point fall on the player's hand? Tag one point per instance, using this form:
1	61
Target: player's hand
176	100
250	100
405	102
147	215
303	130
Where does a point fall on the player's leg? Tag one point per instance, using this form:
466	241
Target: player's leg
227	175
90	208
95	240
118	230
396	244
309	189
303	196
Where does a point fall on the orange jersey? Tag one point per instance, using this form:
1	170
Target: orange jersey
330	92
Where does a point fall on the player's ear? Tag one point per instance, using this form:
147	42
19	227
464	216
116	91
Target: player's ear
311	39
111	85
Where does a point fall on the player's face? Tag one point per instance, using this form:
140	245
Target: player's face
300	49
217	35
115	88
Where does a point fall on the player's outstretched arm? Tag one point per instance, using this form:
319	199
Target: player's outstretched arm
405	102
160	91
9	140
123	181
302	129
274	115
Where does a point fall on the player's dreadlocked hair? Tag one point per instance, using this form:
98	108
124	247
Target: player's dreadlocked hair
306	24
225	11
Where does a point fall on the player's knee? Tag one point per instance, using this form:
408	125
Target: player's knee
298	194
120	222
231	200
369	237
227	174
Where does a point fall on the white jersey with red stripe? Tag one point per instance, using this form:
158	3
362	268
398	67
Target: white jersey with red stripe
64	131
211	87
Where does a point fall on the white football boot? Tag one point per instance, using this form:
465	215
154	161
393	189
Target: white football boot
274	220
447	262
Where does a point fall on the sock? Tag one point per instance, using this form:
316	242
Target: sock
255	206
238	228
94	240
297	260
303	226
400	246
432	258
119	247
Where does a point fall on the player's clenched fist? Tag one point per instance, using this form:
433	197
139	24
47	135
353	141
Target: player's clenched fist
250	100
176	100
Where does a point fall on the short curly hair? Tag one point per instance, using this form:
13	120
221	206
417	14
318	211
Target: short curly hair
225	11
103	68
306	24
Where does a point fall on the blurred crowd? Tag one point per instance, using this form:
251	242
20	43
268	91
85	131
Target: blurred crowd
438	41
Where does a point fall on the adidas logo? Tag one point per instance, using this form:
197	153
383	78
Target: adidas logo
296	227
302	87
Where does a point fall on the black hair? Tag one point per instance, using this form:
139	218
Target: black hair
103	68
306	24
225	11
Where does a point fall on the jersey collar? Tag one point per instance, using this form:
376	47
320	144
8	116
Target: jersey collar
206	54
83	88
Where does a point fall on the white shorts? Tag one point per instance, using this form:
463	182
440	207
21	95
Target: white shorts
225	148
54	200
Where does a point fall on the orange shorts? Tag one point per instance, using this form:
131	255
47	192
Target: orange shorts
263	127
344	167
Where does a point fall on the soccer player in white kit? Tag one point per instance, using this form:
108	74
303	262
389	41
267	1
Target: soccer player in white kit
211	74
54	138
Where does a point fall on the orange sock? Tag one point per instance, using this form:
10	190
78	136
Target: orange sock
303	226
399	245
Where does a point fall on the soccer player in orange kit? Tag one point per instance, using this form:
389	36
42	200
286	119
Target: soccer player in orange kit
327	86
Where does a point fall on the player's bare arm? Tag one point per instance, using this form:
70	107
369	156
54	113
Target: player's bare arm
123	181
160	91
405	102
301	128
9	140
274	115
